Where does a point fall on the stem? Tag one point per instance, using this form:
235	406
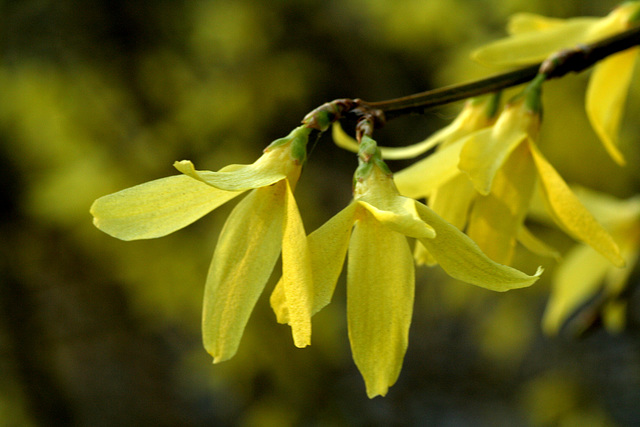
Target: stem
559	64
374	114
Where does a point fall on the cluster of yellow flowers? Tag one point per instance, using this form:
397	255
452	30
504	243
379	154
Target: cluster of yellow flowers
480	179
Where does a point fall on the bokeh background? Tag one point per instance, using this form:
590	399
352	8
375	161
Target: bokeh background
100	95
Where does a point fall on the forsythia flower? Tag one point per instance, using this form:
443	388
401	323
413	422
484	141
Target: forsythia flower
380	275
262	225
533	38
424	177
438	174
585	278
502	164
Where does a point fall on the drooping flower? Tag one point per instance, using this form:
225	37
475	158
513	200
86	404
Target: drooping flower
264	224
373	229
437	176
533	38
493	181
585	286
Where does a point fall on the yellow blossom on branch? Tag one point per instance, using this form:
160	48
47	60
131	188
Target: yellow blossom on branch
585	285
380	275
260	227
501	165
533	38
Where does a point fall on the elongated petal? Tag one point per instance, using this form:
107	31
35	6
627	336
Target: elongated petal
534	46
380	293
614	316
576	280
296	273
422	256
496	218
606	95
245	255
527	22
610	211
237	177
486	150
424	176
453	199
461	258
570	214
402	219
328	247
156	208
535	245
342	140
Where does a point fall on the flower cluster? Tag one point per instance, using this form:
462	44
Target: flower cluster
478	183
534	37
483	176
262	225
585	286
373	229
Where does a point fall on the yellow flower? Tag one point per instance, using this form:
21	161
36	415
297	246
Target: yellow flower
501	166
533	38
380	276
585	283
425	176
262	225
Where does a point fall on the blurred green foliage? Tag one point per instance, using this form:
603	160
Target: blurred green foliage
100	95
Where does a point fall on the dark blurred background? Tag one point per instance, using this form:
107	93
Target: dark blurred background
96	96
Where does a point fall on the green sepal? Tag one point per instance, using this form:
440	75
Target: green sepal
298	139
369	155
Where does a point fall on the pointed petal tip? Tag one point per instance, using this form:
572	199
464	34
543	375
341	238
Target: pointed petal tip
301	336
381	391
539	271
619	262
182	165
617	157
301	344
220	359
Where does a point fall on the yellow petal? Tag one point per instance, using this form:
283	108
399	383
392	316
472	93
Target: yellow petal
247	250
236	177
614	316
401	217
496	218
606	95
453	199
534	46
536	37
156	208
461	258
610	211
568	212
342	140
422	256
527	22
535	245
424	176
485	151
616	280
380	293
328	247
296	273
575	281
